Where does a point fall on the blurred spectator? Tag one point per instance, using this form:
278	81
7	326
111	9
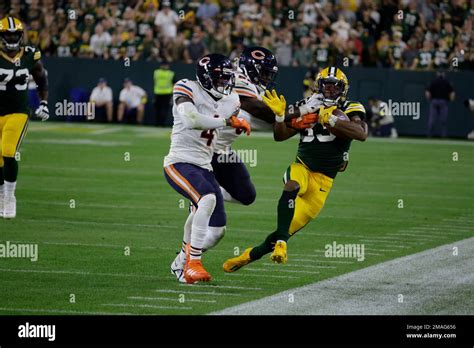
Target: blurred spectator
102	97
380	119
469	104
100	41
207	10
164	80
304	54
132	103
439	93
167	21
195	49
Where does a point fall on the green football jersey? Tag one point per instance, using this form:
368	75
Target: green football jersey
323	152
14	76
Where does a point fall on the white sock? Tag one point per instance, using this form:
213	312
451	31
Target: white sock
2	189
213	236
9	188
186	236
200	224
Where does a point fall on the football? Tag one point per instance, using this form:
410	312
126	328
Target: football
342	116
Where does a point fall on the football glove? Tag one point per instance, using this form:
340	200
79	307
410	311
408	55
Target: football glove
303	122
311	104
42	111
276	104
240	123
326	117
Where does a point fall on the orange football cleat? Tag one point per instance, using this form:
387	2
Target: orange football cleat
195	272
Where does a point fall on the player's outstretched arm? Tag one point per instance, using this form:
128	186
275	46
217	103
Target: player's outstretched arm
41	79
193	119
257	109
278	106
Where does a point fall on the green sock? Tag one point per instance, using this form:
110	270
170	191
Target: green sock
286	210
1	176
267	246
10	169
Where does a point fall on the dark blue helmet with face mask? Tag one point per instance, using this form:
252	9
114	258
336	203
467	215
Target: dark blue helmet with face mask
215	74
260	66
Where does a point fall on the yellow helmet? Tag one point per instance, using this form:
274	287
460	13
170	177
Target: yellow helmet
332	83
11	33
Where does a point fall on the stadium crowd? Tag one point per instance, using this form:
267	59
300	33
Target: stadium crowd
404	34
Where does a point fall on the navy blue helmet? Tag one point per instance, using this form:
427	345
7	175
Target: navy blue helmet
215	74
260	65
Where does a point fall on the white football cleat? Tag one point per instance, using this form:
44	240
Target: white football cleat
2	198
177	268
9	208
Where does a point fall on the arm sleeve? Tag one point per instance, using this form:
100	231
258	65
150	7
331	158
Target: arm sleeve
193	119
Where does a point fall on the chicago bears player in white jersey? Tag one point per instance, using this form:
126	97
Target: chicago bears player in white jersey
201	109
256	70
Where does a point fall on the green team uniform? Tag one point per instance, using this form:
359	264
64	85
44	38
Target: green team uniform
14	77
322	152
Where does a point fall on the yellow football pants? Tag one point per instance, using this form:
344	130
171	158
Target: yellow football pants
12	131
314	189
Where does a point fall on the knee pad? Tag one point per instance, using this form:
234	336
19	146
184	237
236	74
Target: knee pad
213	236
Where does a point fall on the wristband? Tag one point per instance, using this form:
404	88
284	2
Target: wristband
279	119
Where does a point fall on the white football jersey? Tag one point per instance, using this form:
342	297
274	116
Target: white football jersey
196	146
243	87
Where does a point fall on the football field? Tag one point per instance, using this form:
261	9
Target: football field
107	224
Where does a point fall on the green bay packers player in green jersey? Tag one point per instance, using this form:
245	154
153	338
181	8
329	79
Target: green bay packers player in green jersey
321	155
17	62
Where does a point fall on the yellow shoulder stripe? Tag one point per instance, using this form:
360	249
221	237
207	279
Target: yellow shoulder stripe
37	55
362	109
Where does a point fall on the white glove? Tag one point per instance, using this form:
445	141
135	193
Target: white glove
228	106
42	111
311	104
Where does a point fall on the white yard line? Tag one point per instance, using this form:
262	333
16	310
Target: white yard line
80	273
321	261
246	275
145	306
58	311
211	293
224	287
269	265
99	223
169	299
279	270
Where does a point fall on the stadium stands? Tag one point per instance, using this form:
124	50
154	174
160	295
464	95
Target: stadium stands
405	34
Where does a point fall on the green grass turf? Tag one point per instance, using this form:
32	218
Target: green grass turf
121	204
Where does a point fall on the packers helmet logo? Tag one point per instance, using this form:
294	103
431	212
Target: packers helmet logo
10	24
204	61
257	54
